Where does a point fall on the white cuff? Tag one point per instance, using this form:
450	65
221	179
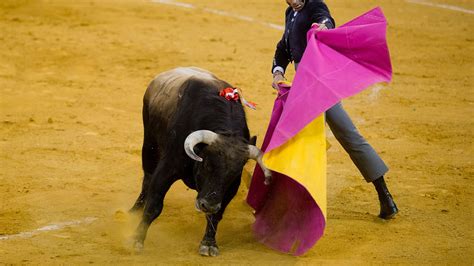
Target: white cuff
278	68
324	21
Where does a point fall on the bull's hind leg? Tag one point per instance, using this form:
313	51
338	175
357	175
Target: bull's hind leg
208	246
150	157
160	183
149	163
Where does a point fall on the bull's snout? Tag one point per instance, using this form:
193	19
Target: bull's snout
206	207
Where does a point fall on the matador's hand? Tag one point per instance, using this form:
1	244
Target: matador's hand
319	27
277	77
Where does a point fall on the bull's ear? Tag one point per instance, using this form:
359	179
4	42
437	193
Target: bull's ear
253	140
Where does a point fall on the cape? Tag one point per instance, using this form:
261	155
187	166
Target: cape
290	213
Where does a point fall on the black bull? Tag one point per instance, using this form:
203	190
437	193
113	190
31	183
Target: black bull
192	133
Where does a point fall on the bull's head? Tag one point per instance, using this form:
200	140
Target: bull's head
221	164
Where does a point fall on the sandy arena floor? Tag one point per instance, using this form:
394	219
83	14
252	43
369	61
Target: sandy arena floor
72	76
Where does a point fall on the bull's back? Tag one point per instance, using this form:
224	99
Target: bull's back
164	92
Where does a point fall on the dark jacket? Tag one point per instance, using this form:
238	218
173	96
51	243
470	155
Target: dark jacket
293	43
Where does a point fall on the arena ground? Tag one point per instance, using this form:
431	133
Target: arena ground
72	76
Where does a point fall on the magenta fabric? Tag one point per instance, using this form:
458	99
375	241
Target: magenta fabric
289	221
337	63
287	218
258	192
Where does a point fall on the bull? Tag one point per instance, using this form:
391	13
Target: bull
182	108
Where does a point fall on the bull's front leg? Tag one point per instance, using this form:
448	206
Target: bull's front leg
208	246
160	184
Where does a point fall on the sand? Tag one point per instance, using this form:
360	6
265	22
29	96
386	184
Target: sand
72	77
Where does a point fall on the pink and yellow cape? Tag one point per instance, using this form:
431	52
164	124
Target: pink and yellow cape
291	212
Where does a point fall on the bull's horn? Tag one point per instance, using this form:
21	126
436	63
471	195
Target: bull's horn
200	136
256	154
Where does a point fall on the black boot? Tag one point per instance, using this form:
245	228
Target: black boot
388	208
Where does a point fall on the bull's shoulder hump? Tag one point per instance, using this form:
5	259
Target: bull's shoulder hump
175	78
170	83
184	73
196	72
165	90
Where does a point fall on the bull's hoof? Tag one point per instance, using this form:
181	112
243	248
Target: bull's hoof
138	246
208	249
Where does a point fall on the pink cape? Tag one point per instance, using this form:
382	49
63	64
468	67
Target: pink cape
336	64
